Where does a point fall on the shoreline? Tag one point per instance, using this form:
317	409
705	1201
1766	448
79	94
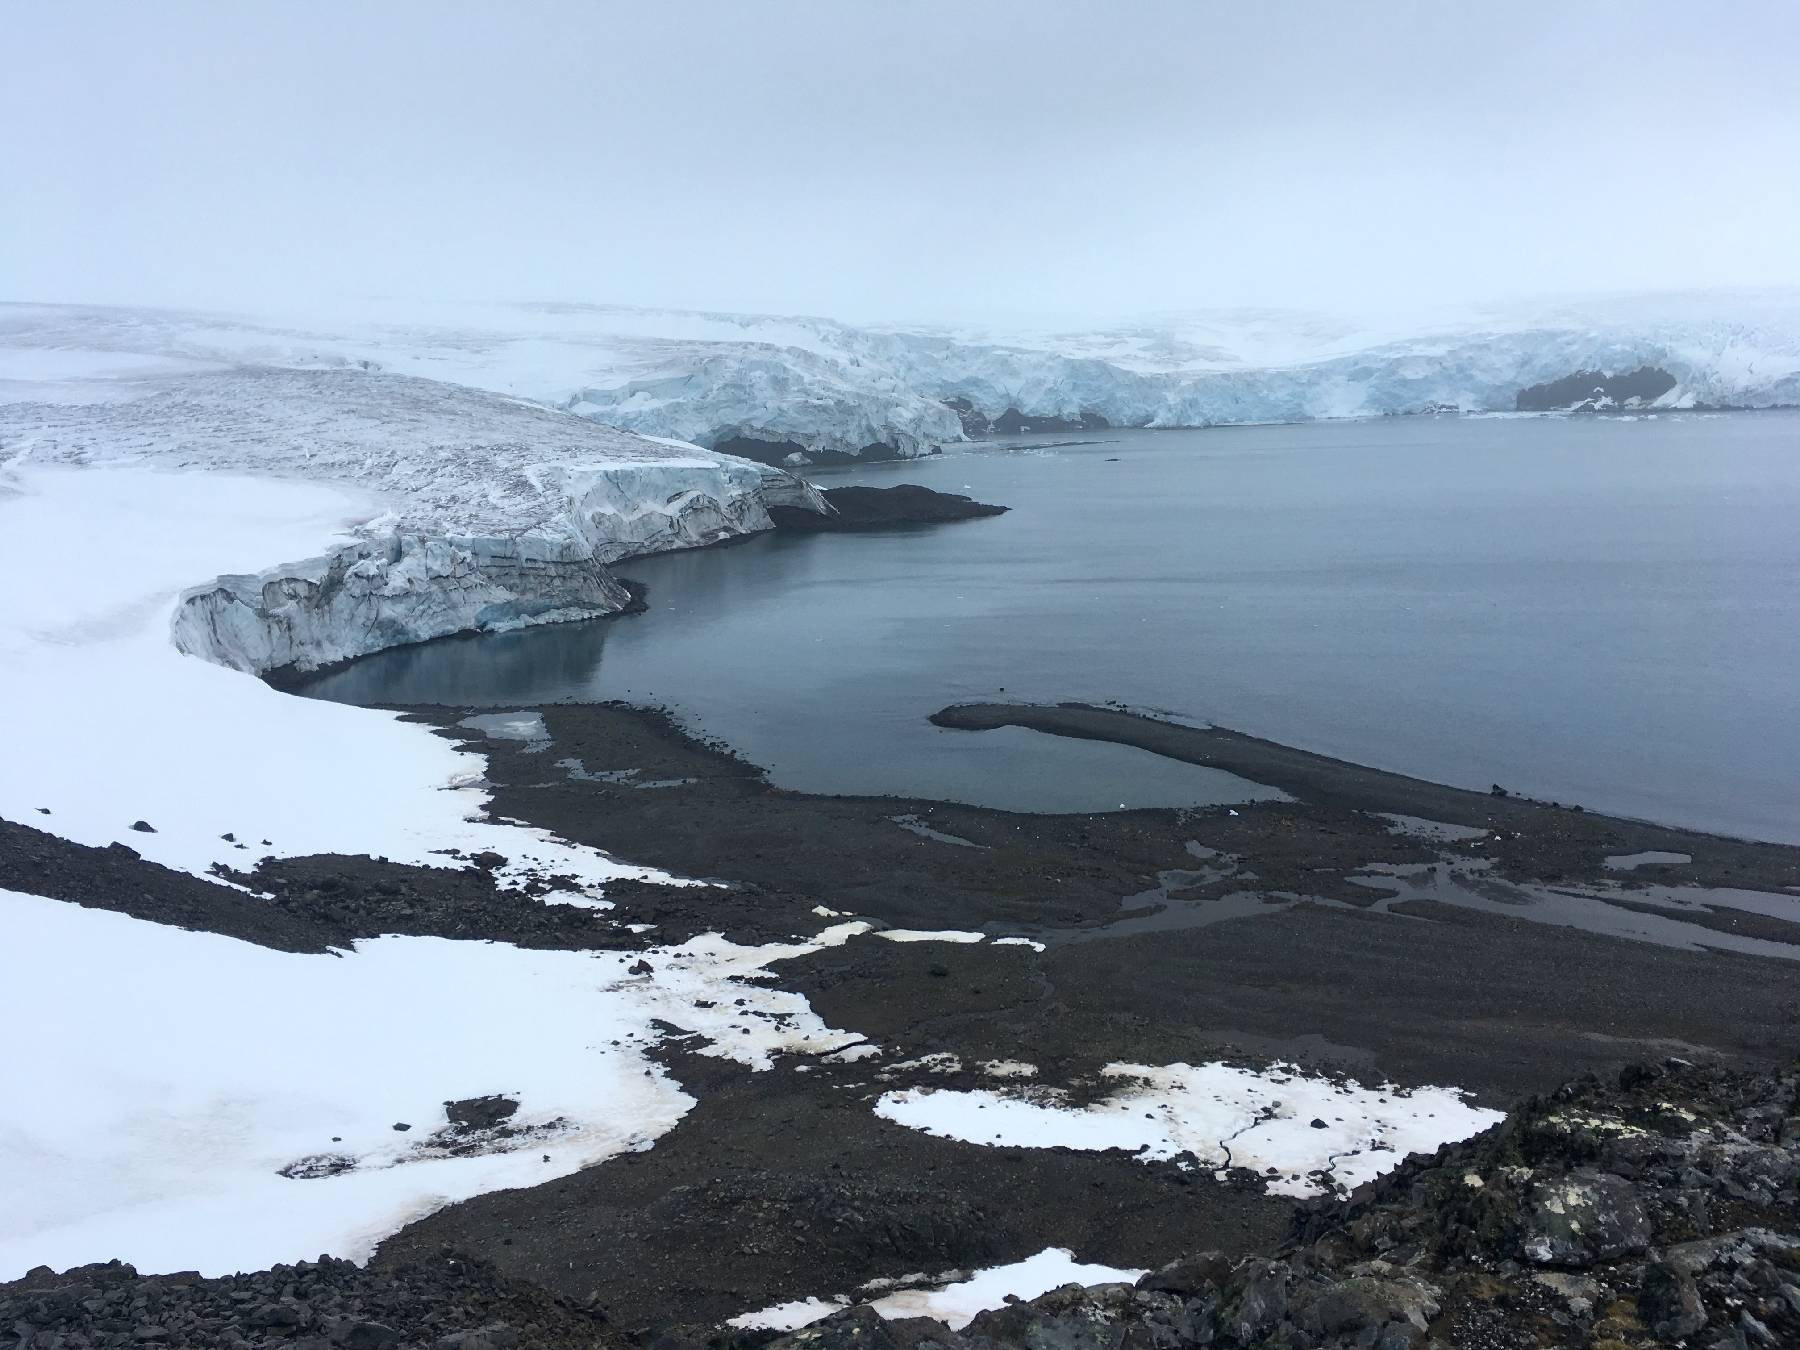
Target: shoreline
741	1204
1254	936
1318	777
1417	993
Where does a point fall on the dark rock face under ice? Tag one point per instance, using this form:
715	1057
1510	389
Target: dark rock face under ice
1593	391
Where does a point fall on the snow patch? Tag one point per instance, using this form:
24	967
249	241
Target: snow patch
955	1303
1306	1135
236	1106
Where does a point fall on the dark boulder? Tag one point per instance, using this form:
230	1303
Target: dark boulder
1585	1217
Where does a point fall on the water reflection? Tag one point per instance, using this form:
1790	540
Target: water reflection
533	665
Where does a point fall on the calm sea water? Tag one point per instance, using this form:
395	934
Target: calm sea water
1594	611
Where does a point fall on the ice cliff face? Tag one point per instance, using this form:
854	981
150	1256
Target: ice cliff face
499	513
775	403
1257	367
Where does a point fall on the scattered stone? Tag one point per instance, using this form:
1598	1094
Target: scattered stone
451	1303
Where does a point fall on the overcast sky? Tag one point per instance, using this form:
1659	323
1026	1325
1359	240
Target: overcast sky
900	160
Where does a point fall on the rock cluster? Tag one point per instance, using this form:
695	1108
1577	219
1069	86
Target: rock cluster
454	1303
1660	1210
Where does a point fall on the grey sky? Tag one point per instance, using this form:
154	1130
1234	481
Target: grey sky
896	159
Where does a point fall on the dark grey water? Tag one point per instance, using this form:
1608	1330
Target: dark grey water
1594	611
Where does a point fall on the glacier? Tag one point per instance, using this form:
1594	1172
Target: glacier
804	390
498	513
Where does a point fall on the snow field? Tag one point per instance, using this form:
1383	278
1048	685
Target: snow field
117	726
169	1077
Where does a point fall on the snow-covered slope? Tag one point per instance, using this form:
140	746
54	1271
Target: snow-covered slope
498	512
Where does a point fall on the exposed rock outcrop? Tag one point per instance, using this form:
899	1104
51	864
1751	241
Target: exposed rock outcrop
872	508
452	1303
1657	1210
1595	391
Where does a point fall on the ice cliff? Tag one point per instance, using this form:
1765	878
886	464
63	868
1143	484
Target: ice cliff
1260	366
492	513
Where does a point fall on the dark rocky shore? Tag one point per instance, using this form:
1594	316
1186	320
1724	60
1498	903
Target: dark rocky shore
449	1302
785	1184
876	508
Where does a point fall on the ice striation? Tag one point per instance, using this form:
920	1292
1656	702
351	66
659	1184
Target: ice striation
499	512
